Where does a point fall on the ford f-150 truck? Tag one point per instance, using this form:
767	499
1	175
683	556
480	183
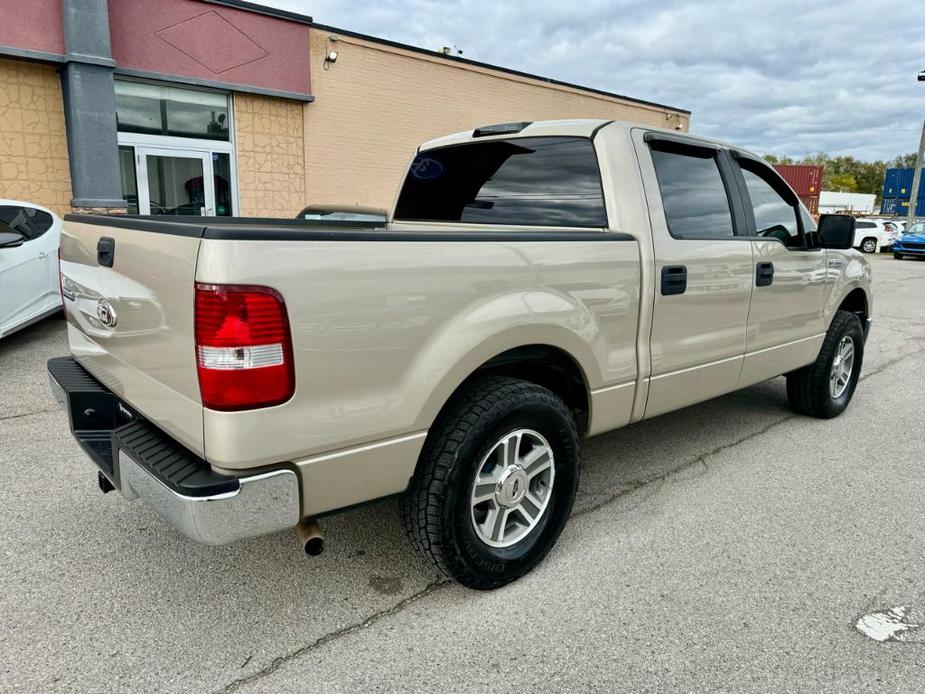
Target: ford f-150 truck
535	284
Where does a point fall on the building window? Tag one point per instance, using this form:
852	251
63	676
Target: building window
176	153
160	110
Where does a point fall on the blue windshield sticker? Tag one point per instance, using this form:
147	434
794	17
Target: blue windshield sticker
426	169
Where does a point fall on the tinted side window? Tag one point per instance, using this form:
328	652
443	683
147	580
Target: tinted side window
693	194
865	225
531	181
774	216
28	222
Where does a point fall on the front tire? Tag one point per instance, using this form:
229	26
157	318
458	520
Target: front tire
824	388
869	245
898	256
495	482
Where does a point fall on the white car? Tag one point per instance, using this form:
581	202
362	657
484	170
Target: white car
29	288
872	235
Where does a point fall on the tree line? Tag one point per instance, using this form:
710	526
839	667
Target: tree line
849	175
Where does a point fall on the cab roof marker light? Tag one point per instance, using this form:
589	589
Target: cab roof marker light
500	129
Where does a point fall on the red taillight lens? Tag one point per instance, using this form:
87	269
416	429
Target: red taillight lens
243	347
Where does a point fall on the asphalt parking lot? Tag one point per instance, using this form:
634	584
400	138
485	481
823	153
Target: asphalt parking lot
729	546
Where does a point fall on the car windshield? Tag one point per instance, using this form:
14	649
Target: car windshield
917	228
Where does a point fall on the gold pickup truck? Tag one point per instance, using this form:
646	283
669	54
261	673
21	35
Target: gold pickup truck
535	284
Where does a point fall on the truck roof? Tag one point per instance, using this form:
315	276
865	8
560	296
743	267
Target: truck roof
578	127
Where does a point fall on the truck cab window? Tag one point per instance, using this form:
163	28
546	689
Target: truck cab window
529	181
693	194
774	216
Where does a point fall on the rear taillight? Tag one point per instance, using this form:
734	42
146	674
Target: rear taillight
243	347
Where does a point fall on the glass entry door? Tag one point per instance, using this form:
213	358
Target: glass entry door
172	182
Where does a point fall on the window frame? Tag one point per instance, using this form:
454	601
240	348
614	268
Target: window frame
600	181
676	144
780	186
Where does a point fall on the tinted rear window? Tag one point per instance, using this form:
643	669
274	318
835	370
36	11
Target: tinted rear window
531	181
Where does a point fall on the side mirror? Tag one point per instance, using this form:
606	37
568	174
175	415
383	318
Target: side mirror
9	239
836	231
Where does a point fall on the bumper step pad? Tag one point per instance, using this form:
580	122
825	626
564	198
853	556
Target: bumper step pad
102	428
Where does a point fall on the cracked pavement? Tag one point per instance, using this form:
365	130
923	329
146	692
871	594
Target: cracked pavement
730	546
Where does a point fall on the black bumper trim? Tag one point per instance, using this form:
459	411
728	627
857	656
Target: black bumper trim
103	428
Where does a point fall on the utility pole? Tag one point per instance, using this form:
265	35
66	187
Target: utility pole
916	176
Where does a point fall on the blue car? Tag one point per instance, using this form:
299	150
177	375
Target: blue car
912	242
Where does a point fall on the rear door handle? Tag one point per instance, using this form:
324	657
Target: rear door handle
764	274
674	280
43	255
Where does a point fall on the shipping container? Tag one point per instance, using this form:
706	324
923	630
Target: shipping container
811	202
889	206
898	184
806	180
902	207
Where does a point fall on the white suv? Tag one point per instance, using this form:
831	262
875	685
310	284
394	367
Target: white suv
872	235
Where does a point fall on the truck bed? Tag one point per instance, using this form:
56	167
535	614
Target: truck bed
385	322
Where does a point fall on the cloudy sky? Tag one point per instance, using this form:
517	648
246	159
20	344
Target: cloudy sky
778	76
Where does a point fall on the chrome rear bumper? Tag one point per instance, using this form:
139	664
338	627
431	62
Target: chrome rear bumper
262	504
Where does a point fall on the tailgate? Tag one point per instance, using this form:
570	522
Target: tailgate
131	324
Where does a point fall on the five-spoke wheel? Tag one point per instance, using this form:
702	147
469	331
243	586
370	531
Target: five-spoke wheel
842	366
512	488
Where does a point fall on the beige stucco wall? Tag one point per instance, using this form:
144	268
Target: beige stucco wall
270	152
33	141
376	103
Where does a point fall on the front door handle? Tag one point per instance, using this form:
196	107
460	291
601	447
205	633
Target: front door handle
764	274
43	255
674	280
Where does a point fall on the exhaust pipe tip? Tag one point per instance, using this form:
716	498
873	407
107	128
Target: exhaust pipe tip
314	546
311	536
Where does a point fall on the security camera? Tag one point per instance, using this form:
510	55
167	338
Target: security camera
922	76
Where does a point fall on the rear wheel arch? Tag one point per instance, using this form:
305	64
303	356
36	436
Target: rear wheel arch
547	366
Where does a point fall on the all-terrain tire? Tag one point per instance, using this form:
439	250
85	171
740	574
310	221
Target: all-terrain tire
436	509
809	390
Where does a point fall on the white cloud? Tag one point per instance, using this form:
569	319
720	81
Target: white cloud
781	76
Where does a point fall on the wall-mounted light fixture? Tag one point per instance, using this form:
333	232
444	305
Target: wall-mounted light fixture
331	56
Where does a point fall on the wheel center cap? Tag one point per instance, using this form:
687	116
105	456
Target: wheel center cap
512	486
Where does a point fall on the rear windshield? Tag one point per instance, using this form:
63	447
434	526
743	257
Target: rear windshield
531	181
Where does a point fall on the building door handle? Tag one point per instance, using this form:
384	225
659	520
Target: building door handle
674	280
764	274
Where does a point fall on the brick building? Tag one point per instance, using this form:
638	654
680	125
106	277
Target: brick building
222	107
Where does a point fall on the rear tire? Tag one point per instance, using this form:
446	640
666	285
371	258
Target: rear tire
869	245
466	457
824	388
